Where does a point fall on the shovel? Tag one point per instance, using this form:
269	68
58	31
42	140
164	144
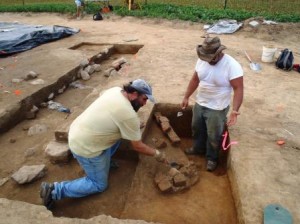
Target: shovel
253	65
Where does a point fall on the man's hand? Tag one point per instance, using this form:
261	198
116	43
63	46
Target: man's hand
160	156
232	118
185	103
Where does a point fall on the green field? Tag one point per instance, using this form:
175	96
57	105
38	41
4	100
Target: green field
272	6
196	11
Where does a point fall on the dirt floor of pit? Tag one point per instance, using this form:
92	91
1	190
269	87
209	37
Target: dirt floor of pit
208	201
261	171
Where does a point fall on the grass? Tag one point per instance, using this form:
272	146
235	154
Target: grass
193	12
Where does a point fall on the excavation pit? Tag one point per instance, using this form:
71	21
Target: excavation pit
133	194
132	190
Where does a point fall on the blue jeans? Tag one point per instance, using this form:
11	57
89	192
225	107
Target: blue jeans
207	129
96	179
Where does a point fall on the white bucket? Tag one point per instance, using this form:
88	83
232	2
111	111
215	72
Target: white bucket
268	54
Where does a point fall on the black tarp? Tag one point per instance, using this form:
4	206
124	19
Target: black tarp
16	37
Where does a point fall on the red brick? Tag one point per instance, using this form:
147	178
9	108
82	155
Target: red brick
179	180
175	140
165	126
165	185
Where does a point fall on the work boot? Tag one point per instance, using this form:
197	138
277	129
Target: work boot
45	194
211	165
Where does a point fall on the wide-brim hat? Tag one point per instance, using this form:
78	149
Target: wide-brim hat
210	48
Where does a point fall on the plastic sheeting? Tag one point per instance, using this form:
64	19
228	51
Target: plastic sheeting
224	26
16	37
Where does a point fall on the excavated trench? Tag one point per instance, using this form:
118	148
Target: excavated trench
132	193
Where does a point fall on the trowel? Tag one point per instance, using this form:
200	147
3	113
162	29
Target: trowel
172	164
253	65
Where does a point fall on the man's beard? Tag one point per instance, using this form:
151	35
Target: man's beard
135	104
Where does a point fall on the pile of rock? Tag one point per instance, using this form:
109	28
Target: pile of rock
177	178
87	69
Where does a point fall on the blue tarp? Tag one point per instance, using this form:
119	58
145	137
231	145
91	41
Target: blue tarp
16	37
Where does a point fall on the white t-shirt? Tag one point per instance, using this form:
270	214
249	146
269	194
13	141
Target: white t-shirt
108	119
214	90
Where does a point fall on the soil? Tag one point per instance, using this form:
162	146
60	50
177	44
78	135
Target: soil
267	172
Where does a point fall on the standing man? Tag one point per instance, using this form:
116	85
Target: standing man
80	8
216	74
96	134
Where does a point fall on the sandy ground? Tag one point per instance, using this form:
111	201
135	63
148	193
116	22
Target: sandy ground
261	171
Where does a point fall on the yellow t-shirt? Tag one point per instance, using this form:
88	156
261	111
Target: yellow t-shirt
108	119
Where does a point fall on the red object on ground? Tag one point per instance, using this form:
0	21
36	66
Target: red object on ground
280	142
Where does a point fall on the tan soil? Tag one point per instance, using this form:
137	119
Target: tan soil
264	172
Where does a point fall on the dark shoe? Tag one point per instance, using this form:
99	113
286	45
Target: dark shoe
211	165
192	151
45	194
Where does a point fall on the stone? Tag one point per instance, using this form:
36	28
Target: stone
58	152
159	177
29	152
117	63
163	119
105	51
175	140
32	113
37	82
27	174
84	75
97	67
173	172
31	75
165	185
51	96
179	180
165	126
108	71
89	69
62	89
34	109
84	63
157	116
37	129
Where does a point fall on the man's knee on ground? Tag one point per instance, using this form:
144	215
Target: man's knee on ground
101	186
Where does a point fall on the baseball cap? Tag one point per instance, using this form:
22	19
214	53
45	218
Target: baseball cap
143	87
